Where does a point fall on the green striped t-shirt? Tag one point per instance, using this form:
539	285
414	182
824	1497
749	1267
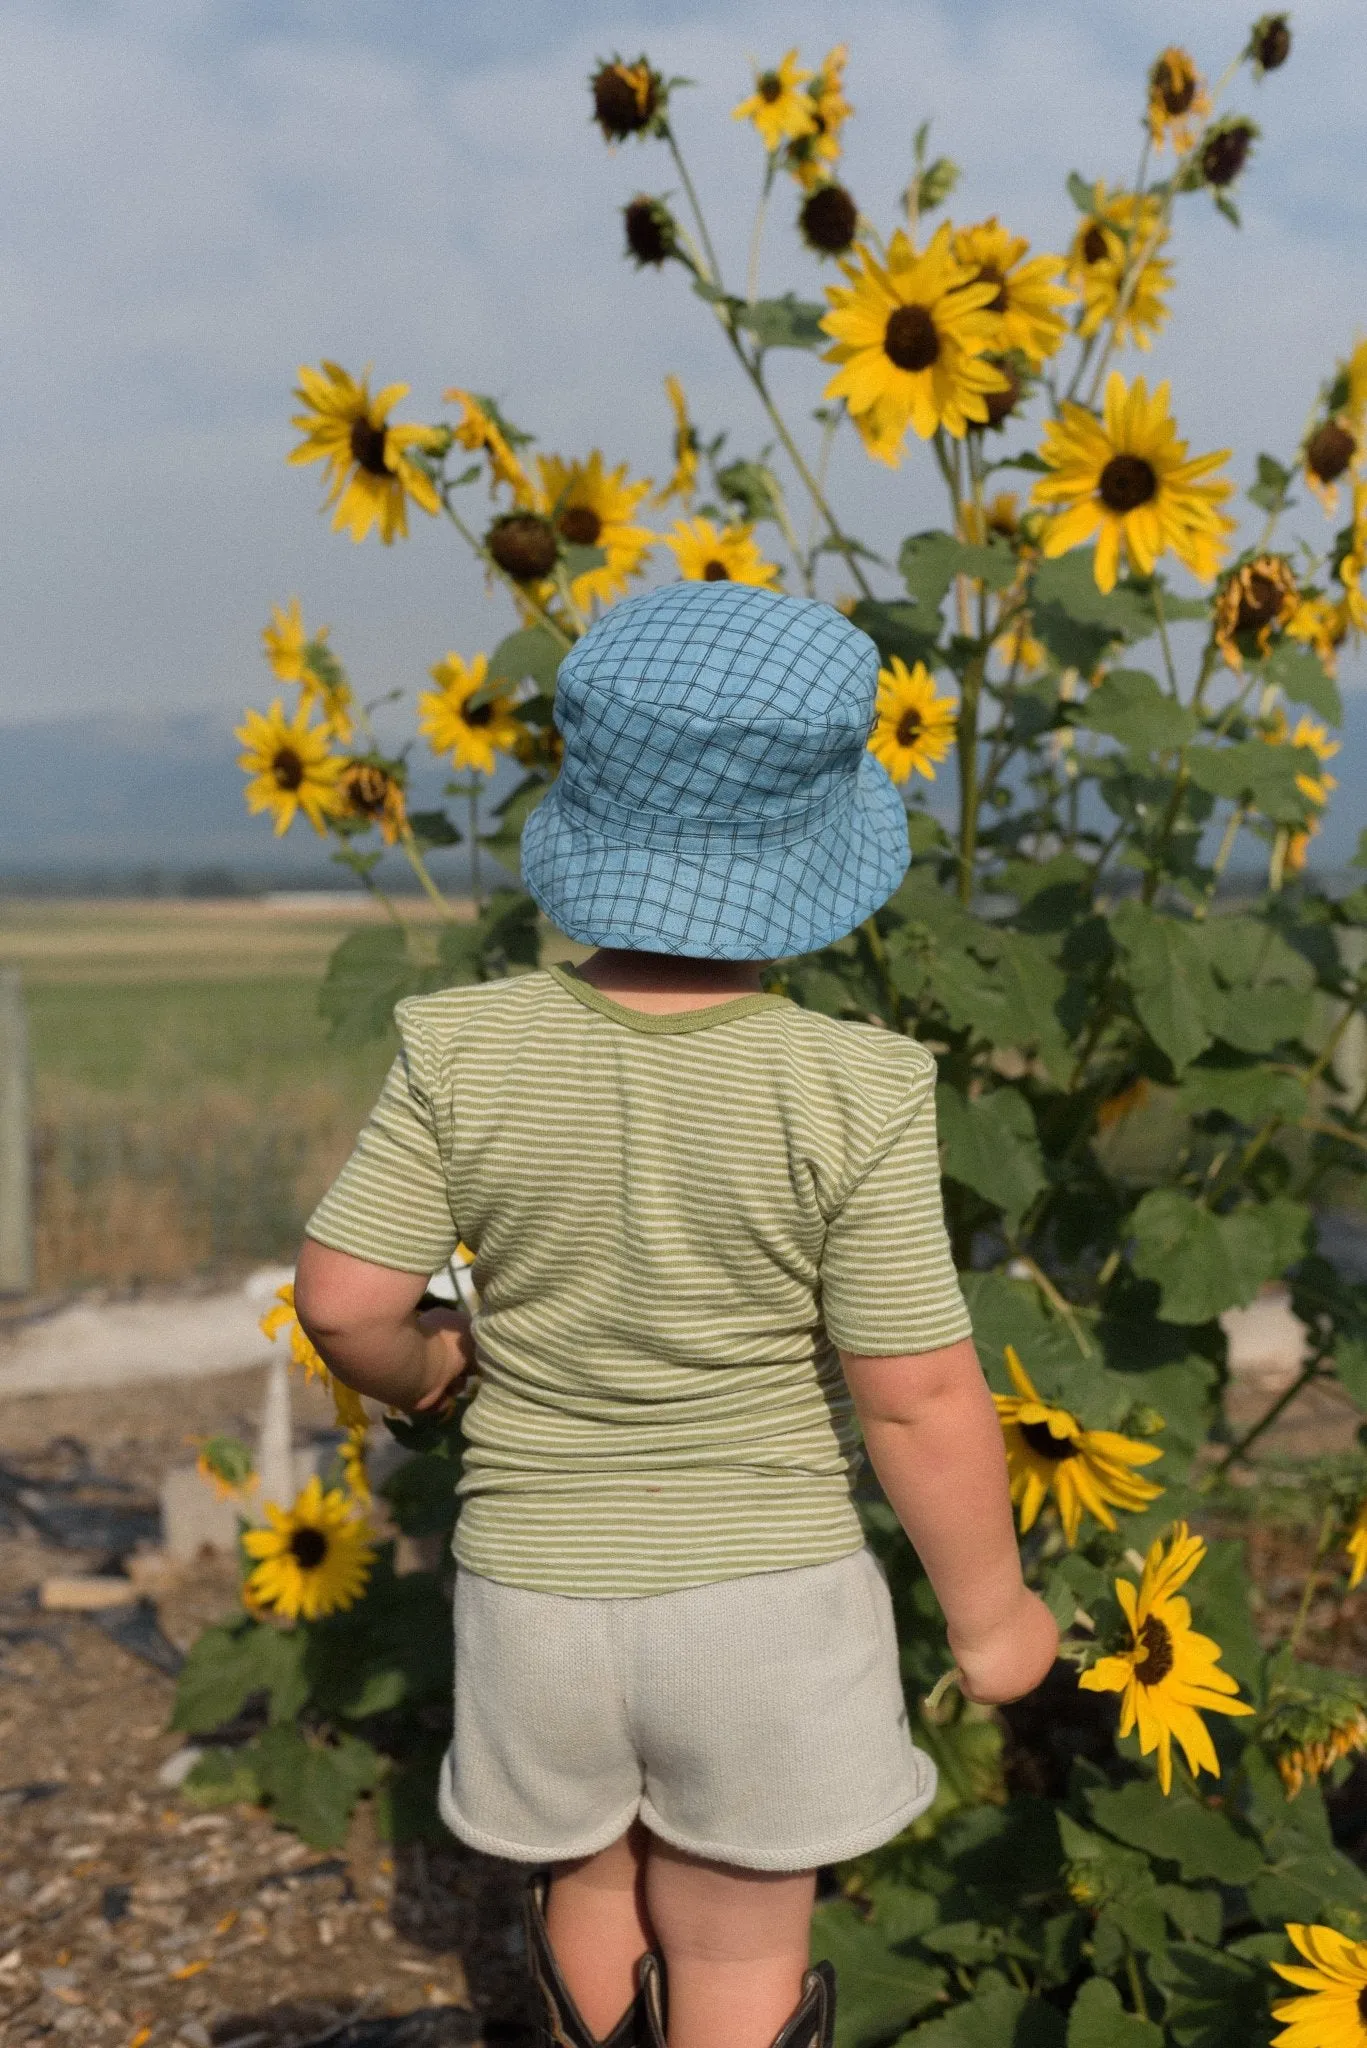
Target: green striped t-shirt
675	1221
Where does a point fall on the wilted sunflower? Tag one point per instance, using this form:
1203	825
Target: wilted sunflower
778	109
290	767
314	1559
591	507
1127	479
1334	2013
684	482
651	230
1115	261
1328	454
1307	1759
1026	306
911	335
626	97
472	734
731	555
1178	100
1313	736
1224	151
373	795
1169	1674
829	220
1257	600
1319	624
371	477
345	1400
913	728
1269	44
813	156
480	430
1049	1453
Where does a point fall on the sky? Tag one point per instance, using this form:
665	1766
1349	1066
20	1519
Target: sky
200	195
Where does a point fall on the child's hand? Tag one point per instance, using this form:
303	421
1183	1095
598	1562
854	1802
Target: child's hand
449	1355
1011	1658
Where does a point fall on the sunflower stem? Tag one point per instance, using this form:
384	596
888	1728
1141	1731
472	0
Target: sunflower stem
420	869
1328	1524
520	594
1061	1308
1265	1421
1136	1983
796	457
878	953
475	889
757	233
714	268
969	793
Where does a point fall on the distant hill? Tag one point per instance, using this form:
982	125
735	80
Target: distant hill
84	798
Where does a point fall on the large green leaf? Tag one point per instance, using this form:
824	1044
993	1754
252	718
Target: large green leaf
992	1146
1099	2020
881	1989
1204	1843
532	653
1214	2000
313	1786
787	322
1130	707
228	1666
1250	1095
998	2015
1182	1247
368	973
1077	622
1173	988
1301	675
929	562
1034	988
906	630
1255	773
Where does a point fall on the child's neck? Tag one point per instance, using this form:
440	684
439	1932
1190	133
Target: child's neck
660	983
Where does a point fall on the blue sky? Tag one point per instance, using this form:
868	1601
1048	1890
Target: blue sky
200	196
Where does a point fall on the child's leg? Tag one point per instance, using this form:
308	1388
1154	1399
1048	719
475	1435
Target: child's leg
596	1919
735	1944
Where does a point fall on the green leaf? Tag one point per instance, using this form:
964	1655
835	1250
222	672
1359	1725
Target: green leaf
422	1495
753	486
530	653
992	1146
433	828
512	814
1205	1264
368	973
1255	773
787	322
1080	192
1194	1910
1301	675
881	1989
1172	985
580	560
906	630
223	1777
228	1666
1250	1095
997	2016
1214	2000
1269	493
1129	705
1099	2020
1079	623
313	1787
1265	1238
929	562
1178	1829
1034	988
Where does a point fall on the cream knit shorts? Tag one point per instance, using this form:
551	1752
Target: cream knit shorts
759	1721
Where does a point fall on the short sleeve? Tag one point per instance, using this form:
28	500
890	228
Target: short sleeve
888	1283
389	1204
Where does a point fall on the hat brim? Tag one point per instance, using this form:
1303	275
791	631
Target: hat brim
734	905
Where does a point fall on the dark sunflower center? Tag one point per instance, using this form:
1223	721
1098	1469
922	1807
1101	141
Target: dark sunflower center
1329	451
367	448
1362	1995
1127	482
1042	1440
1094	246
367	789
476	714
771	87
287	768
308	1548
580	525
909	728
1176	89
1259	601
910	338
1156	1643
716	572
988	273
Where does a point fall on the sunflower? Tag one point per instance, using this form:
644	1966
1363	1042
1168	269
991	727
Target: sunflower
311	663
1049	1452
1001	514
731	555
1178	100
1328	453
481	431
1334	2013
684	482
913	728
313	1559
290	767
373	795
285	641
1321	625
1115	261
1126	478
1308	1759
1257	600
226	1464
471	734
370	475
1018	649
591	507
1308	733
1167	1671
345	1400
1356	1547
1027	300
813	156
779	111
910	336
351	1457
1353	562
627	98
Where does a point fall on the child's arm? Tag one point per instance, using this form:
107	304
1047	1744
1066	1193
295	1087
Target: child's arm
934	1440
365	1322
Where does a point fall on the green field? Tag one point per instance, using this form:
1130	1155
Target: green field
189	1105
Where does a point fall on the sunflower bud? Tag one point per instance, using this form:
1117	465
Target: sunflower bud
1329	451
524	546
651	234
626	97
1269	45
1225	150
828	220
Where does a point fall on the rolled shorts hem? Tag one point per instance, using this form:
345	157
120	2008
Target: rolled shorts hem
807	1856
520	1852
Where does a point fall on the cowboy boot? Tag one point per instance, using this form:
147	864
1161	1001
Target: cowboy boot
812	2024
560	2024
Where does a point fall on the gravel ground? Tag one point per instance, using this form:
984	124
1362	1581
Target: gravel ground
126	1917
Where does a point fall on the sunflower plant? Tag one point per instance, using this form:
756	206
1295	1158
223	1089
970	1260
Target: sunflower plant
1108	691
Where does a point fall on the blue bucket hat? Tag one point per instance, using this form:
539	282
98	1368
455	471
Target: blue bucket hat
716	798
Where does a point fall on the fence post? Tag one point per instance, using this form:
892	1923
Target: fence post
16	1165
